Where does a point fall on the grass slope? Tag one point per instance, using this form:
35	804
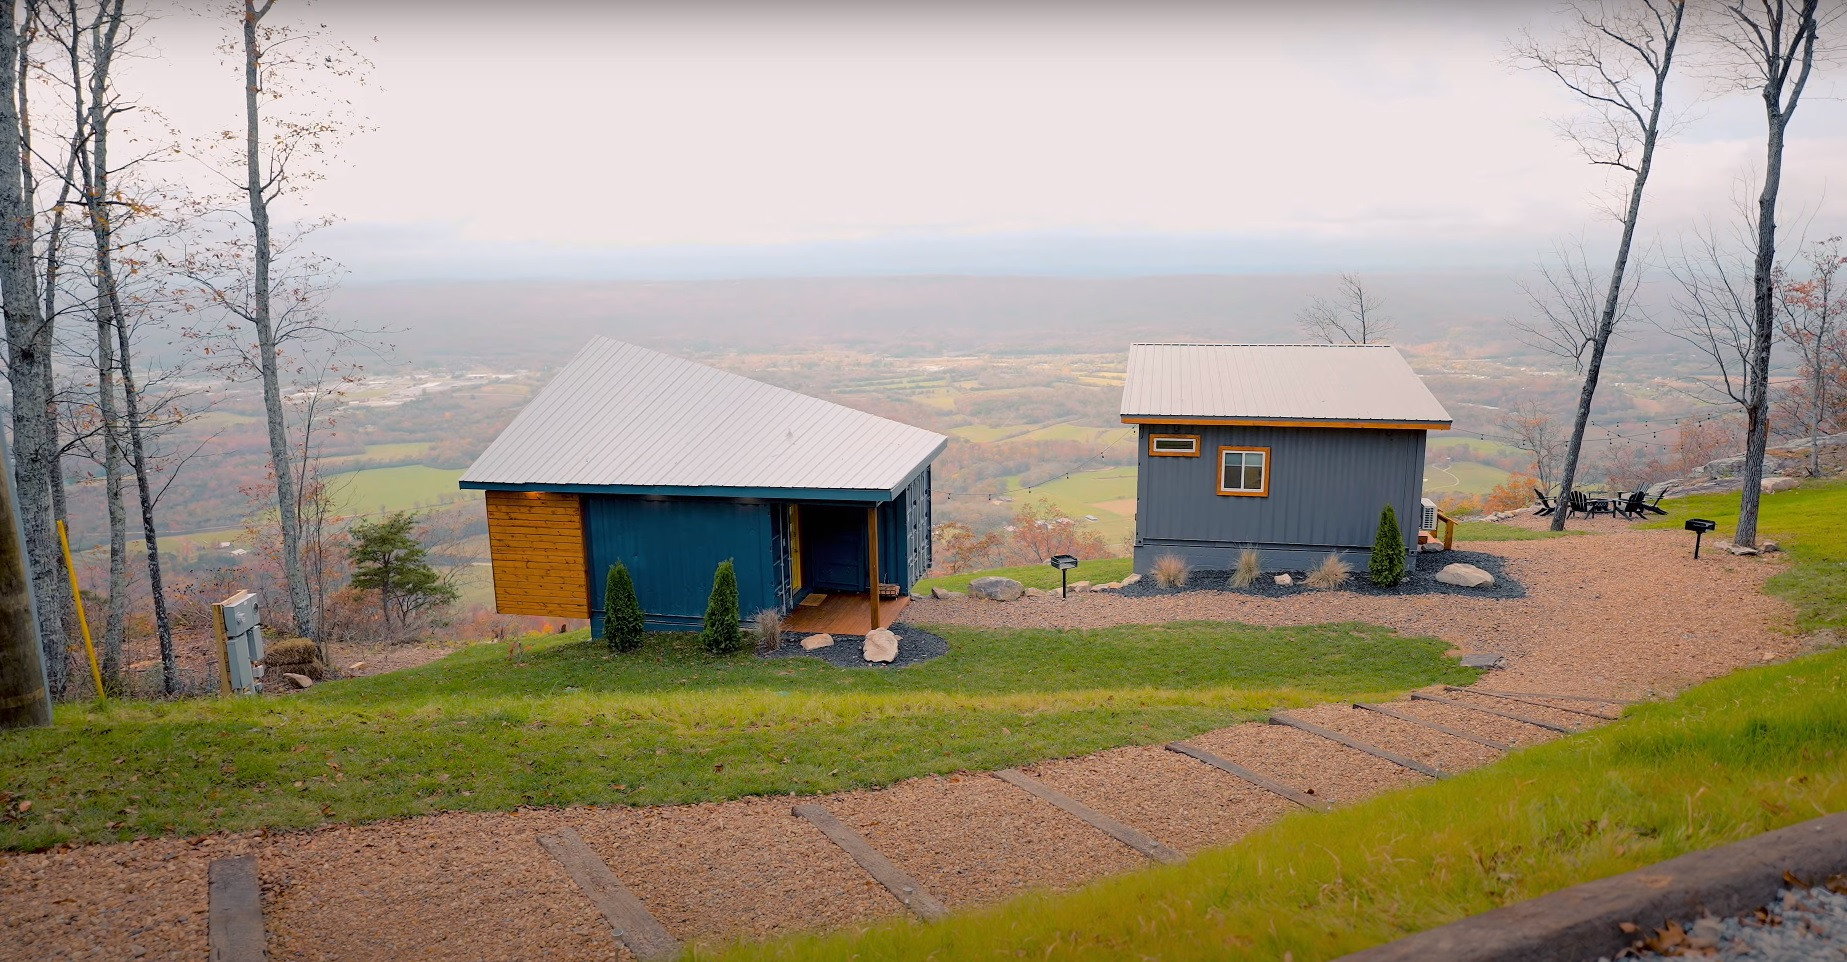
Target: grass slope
1096	571
397	489
1810	522
1729	759
575	724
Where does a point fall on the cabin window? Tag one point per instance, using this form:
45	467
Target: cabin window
1244	471
1173	445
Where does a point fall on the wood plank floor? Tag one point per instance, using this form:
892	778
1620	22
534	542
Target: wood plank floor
844	615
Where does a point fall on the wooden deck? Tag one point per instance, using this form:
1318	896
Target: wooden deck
844	615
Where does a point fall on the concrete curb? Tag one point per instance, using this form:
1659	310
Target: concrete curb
1581	922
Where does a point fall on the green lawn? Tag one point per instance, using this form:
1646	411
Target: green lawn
1809	522
1096	571
1749	753
575	724
1489	531
1467	477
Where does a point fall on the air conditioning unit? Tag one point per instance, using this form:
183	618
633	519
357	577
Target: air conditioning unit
1429	520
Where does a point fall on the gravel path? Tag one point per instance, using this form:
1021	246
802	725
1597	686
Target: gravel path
466	886
1802	925
1626	613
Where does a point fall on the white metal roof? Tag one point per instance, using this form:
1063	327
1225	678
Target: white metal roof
622	415
1277	382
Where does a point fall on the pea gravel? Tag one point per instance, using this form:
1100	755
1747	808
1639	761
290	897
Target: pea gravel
1802	925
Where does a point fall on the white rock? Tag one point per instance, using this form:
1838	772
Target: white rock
1131	579
995	588
1741	550
946	593
356	666
1465	576
1035	592
1080	586
1773	485
1284	580
881	645
812	642
299	681
1112	586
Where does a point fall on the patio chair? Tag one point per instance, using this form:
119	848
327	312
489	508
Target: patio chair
1545	504
1633	506
1588	506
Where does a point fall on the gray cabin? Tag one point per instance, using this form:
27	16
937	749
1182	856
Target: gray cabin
1288	449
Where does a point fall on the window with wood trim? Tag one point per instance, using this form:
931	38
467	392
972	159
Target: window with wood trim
1244	471
1173	445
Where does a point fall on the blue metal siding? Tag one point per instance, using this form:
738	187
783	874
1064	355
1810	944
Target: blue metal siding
673	546
1327	486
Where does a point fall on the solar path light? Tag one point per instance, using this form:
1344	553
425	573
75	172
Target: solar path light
1064	563
1699	527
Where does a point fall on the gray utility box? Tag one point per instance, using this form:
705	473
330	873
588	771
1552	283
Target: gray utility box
243	642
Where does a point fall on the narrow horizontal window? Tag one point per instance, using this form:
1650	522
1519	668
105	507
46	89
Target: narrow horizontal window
1244	471
1173	445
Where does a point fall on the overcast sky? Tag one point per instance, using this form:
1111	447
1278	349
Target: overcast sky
693	138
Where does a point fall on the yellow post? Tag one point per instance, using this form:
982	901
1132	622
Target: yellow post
83	621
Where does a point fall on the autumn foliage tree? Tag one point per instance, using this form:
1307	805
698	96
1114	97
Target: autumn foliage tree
1039	531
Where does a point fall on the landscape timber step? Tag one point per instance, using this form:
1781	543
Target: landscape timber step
1331	735
1502	695
635	928
1542	694
1103	823
235	910
1435	726
905	889
1586	921
1256	778
1420	696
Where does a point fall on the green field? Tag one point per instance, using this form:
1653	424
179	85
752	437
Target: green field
1087	492
403	488
399	451
574	724
1464	477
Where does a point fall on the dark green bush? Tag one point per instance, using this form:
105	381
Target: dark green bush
623	624
723	634
1388	551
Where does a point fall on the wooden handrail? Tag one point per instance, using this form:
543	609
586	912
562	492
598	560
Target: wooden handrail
1449	532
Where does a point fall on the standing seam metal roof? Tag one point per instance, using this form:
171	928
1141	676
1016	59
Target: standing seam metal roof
1283	382
623	415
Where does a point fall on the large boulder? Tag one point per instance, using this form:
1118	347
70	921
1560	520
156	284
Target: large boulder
995	588
1131	579
1773	485
881	645
946	593
1465	576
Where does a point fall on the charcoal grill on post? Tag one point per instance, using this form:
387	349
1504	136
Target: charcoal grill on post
1064	563
1699	527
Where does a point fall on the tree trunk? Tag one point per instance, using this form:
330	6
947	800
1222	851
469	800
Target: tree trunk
24	700
287	508
1763	329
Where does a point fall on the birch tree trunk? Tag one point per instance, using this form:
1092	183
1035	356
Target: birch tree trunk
288	508
28	341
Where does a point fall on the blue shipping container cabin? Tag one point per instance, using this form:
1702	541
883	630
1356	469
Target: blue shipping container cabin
1289	450
672	467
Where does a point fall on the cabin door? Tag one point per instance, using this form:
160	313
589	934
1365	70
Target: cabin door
833	552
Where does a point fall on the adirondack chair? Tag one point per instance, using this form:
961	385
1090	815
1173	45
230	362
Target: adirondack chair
1633	506
1584	504
1545	504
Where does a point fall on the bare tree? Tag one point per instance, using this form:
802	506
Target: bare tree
1352	316
1767	46
29	343
1533	430
1616	56
1715	315
1814	309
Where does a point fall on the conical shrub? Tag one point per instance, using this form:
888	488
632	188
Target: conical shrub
623	623
1388	552
723	633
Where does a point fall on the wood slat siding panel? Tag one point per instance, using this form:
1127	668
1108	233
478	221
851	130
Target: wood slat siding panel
537	543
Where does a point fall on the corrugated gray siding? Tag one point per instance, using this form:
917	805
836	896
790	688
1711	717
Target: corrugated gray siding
1327	486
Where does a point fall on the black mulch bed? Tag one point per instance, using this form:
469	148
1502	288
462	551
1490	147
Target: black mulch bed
1423	580
914	645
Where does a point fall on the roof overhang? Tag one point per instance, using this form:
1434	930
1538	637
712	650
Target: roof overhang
1288	422
852	495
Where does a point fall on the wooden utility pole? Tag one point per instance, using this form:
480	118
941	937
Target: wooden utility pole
24	700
